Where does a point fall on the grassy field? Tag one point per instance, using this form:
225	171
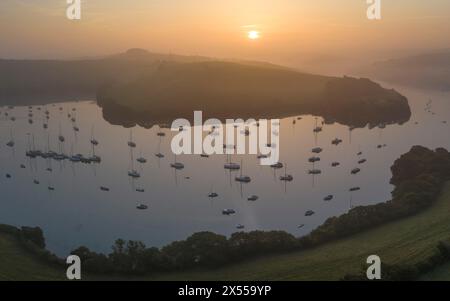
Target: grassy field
18	264
406	241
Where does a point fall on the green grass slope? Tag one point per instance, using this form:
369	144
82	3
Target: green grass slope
16	263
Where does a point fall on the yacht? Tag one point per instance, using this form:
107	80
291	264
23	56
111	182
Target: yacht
286	177
355	171
141	160
228	211
336	141
134	174
328	198
159	155
213	195
277	165
241	178
317	150
252	198
131	143
314	171
177	165
309	213
314	159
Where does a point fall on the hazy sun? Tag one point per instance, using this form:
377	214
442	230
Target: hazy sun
253	35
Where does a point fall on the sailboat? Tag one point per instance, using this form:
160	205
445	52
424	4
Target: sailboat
286	177
177	165
241	178
230	165
11	142
131	143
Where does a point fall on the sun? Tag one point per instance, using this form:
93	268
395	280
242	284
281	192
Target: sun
253	35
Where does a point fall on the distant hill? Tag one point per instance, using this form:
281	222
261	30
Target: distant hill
429	71
232	90
40	81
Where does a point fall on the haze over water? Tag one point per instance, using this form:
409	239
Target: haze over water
79	213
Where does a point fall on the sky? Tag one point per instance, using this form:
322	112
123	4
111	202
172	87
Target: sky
290	30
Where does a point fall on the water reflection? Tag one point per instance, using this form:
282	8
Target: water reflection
94	203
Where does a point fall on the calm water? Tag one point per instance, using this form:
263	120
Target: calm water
79	213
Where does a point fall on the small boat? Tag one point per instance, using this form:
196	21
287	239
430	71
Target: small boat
335	164
362	161
177	165
317	150
300	226
261	156
359	153
314	171
228	211
286	177
232	166
277	165
76	129
103	188
355	171
50	188
161	134
336	141
314	159
22	166
243	179
134	174
317	129
49	169
354	189
328	198
36	182
140	190
8	176
159	155
252	198
141	160
204	156
309	213
240	227
213	195
142	207
95	159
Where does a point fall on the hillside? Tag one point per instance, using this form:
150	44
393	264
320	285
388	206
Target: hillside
429	71
232	90
40	81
